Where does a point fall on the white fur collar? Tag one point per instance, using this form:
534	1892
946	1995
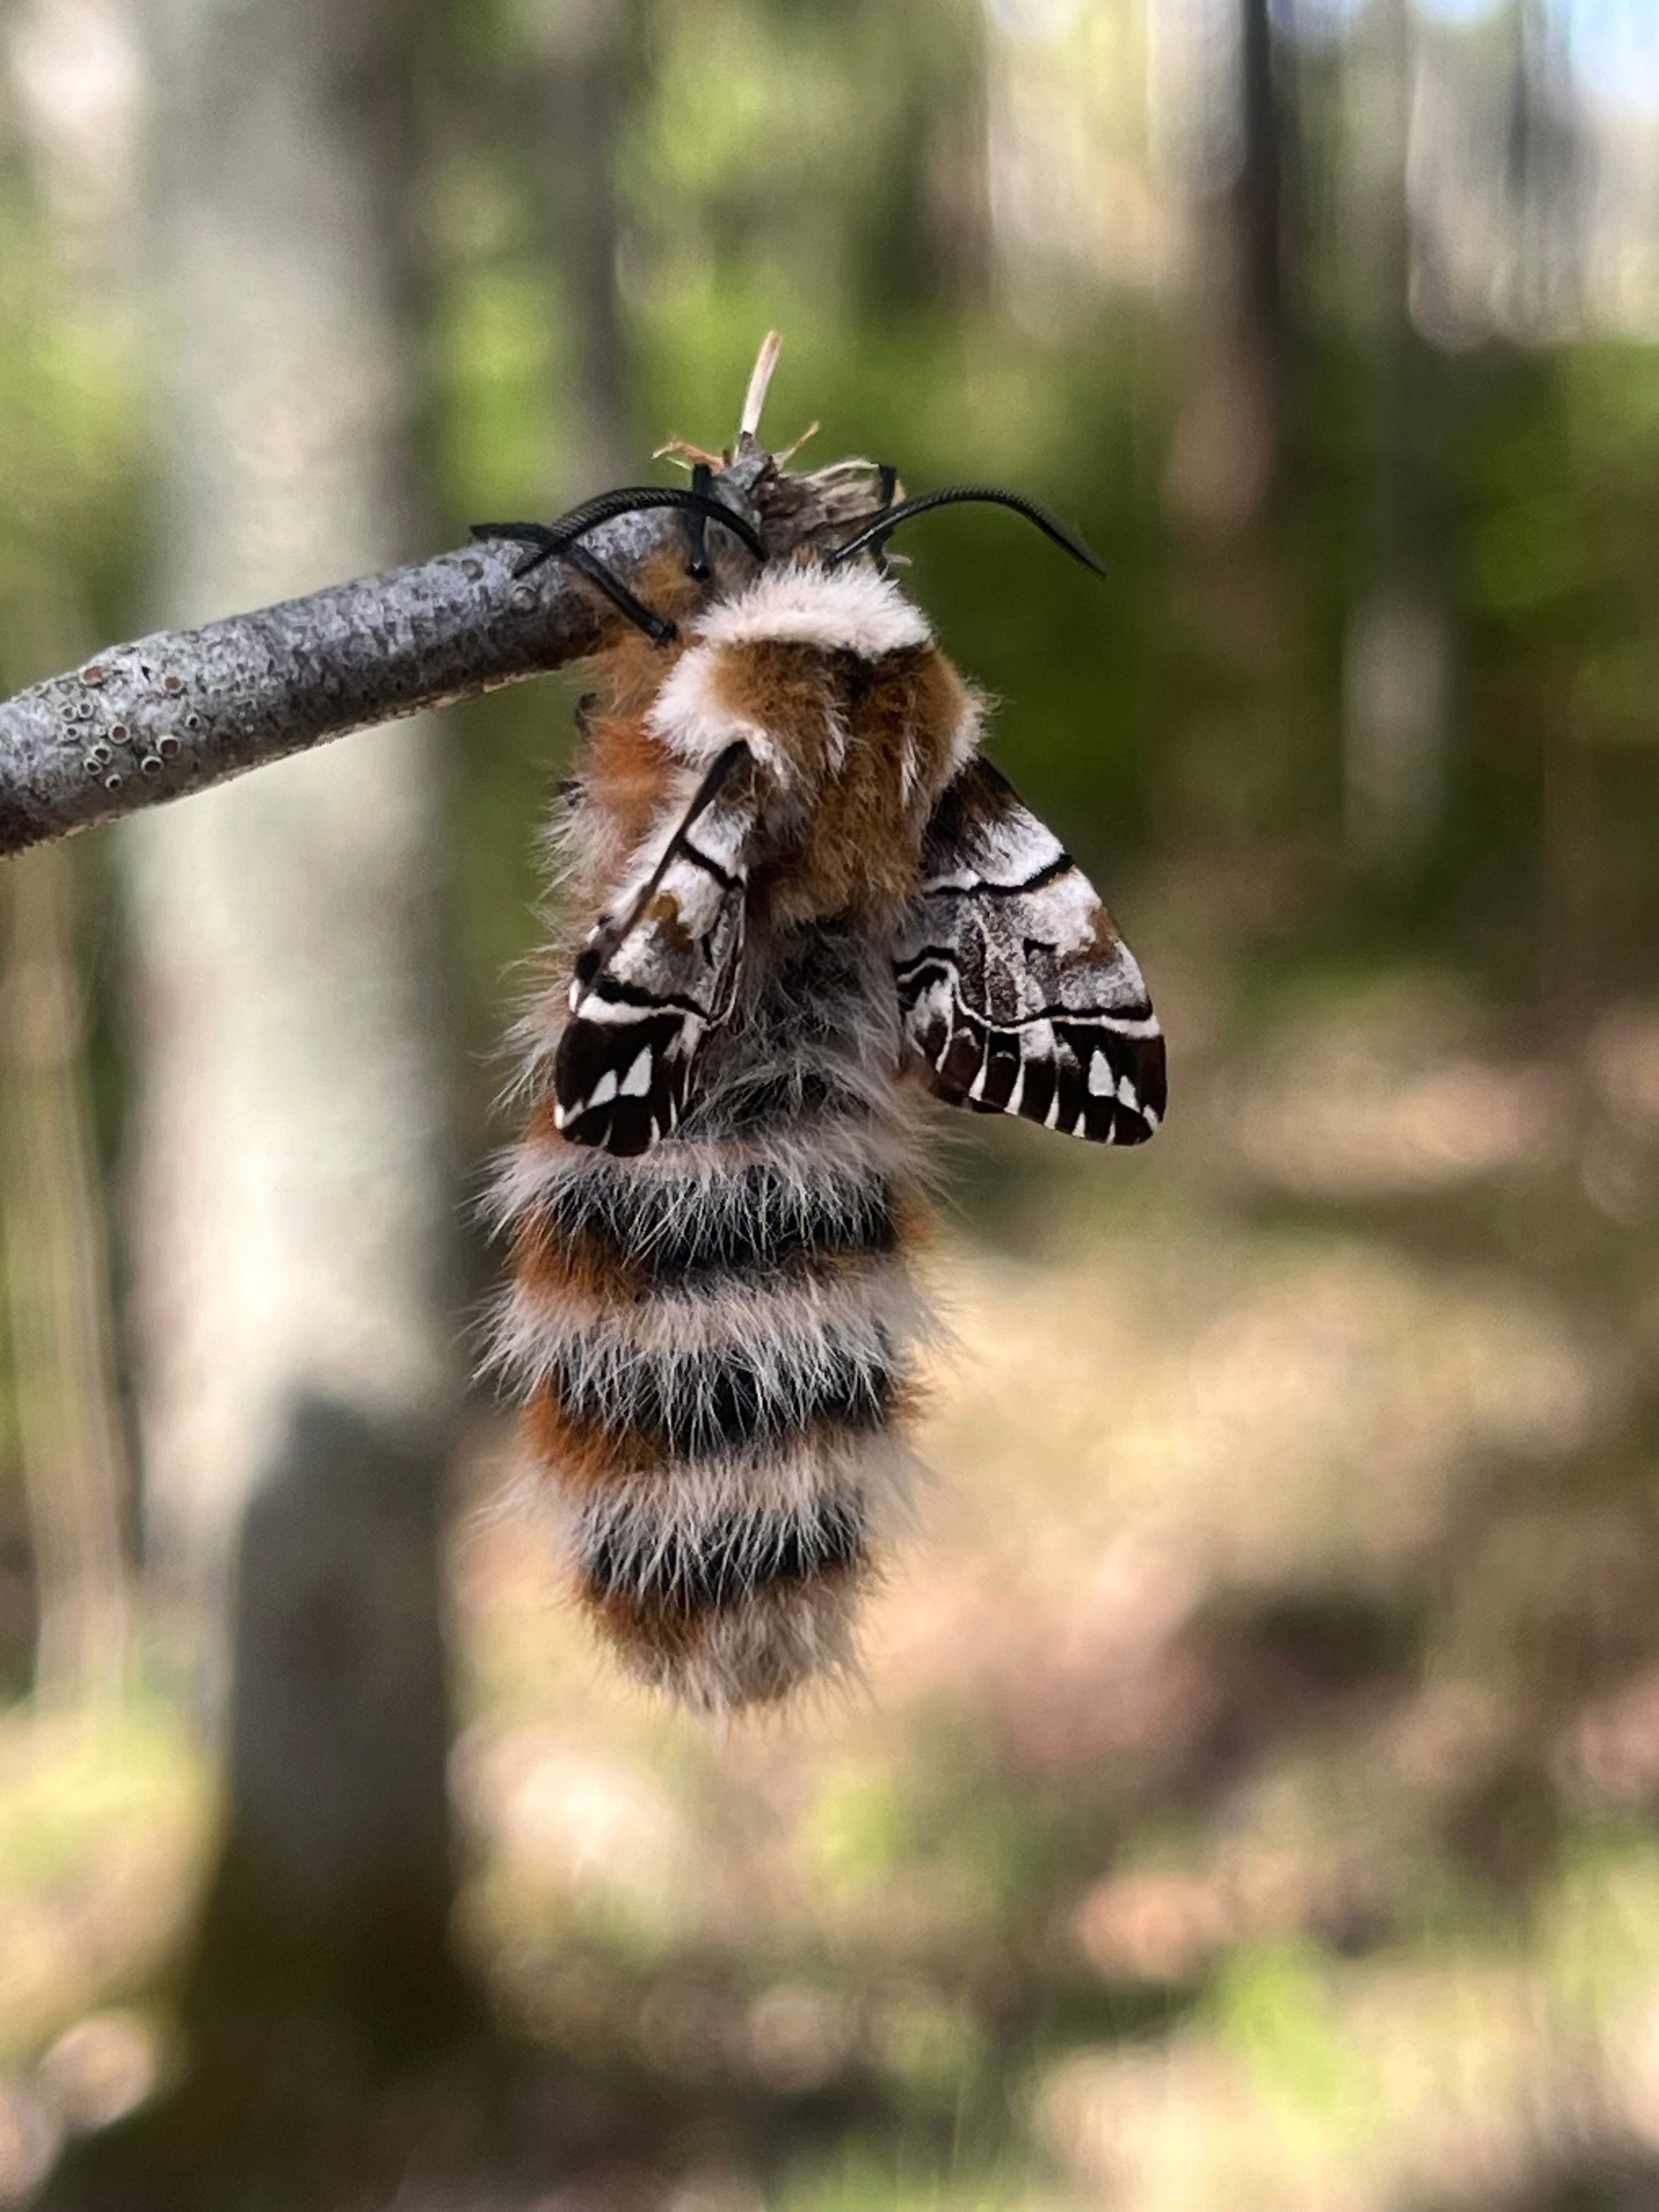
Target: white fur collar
847	609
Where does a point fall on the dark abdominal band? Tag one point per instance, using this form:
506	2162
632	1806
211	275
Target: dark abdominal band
757	1223
729	1561
722	1404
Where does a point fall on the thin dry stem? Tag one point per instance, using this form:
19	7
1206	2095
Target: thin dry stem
754	403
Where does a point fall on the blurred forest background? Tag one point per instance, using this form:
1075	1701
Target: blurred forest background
1252	1807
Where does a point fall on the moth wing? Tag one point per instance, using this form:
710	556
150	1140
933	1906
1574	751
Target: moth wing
1016	992
661	971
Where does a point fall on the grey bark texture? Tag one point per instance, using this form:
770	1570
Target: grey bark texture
294	1312
176	712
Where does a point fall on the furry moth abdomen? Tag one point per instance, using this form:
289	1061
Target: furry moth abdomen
716	1338
806	881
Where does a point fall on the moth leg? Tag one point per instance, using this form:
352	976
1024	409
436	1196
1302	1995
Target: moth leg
888	481
697	526
547	543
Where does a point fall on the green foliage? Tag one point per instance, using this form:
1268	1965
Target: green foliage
66	461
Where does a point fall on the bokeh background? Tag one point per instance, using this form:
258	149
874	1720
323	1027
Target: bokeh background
1251	1805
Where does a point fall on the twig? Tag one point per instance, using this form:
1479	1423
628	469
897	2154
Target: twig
177	712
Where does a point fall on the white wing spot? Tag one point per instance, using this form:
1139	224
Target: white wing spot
1100	1076
605	1090
1129	1095
637	1081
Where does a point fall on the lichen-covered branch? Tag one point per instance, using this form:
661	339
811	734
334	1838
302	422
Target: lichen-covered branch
176	712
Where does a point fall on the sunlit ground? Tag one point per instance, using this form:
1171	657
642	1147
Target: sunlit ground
1241	1805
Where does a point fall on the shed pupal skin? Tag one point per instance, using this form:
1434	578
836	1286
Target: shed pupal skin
806	880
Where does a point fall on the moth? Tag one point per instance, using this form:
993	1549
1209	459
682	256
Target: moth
803	898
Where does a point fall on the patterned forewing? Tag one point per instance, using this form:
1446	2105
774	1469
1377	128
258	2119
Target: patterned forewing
1018	994
655	977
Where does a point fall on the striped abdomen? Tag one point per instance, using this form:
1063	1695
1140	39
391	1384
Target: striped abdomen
714	1337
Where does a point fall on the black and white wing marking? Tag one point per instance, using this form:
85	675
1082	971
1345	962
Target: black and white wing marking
654	978
1015	987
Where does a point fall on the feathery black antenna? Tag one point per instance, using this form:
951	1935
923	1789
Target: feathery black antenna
559	541
877	532
628	499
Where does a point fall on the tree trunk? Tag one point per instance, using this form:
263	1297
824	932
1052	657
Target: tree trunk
56	1279
1229	447
577	83
292	1193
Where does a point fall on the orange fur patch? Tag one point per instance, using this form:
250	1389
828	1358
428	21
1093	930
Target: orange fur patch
583	1266
899	717
624	770
579	1455
661	582
786	690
